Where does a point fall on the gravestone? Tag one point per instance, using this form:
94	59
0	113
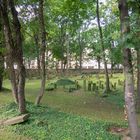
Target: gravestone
89	85
93	86
84	84
15	120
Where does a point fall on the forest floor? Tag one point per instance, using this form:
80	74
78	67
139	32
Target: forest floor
77	115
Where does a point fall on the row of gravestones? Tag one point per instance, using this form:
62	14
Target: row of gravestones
91	86
88	85
69	88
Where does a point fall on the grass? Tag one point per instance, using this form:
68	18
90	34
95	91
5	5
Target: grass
50	124
78	115
8	135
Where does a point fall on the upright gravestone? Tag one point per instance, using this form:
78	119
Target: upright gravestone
89	85
84	84
93	86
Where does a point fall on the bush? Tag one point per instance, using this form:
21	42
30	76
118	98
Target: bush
64	82
50	87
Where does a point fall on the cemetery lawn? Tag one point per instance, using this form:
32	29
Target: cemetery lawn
77	115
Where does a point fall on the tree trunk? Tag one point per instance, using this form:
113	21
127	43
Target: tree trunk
36	39
64	65
19	58
103	49
21	86
1	55
128	72
112	64
1	70
62	68
80	52
129	94
10	47
138	56
99	64
42	52
138	80
76	62
57	66
38	65
68	55
12	78
29	63
14	48
70	60
111	73
38	56
80	60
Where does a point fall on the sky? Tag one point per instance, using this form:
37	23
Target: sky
102	1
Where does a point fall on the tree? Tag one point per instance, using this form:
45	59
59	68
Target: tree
138	79
13	39
42	52
9	45
1	55
135	5
103	48
1	70
128	71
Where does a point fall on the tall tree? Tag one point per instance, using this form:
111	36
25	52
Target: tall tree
136	14
1	55
42	52
1	69
80	51
138	79
13	39
9	46
103	48
19	57
128	71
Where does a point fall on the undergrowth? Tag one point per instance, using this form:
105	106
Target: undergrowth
46	123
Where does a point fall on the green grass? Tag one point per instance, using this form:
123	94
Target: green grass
78	115
8	135
49	124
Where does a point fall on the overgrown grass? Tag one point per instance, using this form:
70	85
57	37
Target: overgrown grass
88	104
49	124
80	115
8	135
84	103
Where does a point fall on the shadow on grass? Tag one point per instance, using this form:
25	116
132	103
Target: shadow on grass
5	90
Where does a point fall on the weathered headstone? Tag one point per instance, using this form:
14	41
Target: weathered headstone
89	85
15	120
119	82
93	86
102	86
77	84
84	84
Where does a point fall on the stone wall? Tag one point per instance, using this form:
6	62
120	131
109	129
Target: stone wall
34	72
